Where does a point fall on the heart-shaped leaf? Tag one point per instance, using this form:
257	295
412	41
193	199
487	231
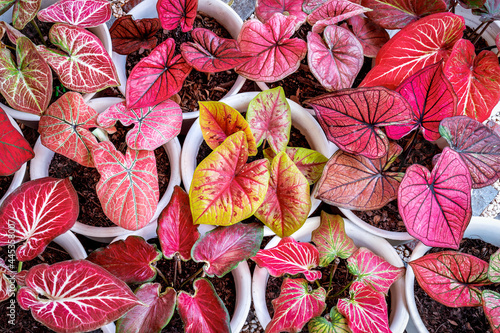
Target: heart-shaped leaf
7	286
173	13
264	9
12	34
436	206
40	210
494	267
81	13
156	77
351	118
129	35
295	306
332	12
336	324
88	296
290	257
490	11
275	55
223	248
225	190
371	36
491	307
23	12
288	201
451	278
203	312
128	188
336	63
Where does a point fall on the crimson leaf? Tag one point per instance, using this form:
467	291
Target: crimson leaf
129	35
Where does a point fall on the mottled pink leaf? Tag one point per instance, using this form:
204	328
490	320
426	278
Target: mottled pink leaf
81	13
12	34
23	12
494	267
173	13
21	278
264	9
7	285
332	12
335	324
129	35
310	5
371	36
491	307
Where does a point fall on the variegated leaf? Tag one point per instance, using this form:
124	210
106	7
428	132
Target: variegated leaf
336	324
491	307
80	13
7	279
494	267
173	13
332	12
24	11
371	36
264	9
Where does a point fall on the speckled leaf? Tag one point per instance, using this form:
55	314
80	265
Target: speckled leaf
336	324
173	13
491	307
264	9
7	285
332	12
81	13
129	35
371	36
494	267
23	12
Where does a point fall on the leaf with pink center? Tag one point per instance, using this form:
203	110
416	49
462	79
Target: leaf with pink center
275	55
310	5
129	35
128	188
351	118
203	311
176	231
494	267
287	202
40	210
290	257
226	190
371	36
295	306
153	318
452	278
23	12
7	286
87	294
332	12
436	206
223	248
491	307
336	323
80	13
173	13
265	9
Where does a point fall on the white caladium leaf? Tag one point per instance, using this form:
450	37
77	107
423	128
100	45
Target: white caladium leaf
7	286
494	267
491	307
81	13
75	296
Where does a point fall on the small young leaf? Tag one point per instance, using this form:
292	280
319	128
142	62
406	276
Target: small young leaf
173	13
491	307
24	11
337	324
371	36
7	286
129	35
80	13
265	9
494	267
332	12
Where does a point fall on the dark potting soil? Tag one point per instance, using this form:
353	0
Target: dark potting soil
4	184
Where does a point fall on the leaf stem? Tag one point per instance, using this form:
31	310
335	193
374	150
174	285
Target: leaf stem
407	151
38	31
162	276
19	266
176	257
479	34
191	277
10	47
336	262
341	291
469	35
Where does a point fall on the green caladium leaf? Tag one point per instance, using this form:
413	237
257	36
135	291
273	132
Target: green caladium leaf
23	11
491	307
336	324
494	267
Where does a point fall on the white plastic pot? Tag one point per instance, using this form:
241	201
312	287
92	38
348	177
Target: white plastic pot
398	316
485	229
43	156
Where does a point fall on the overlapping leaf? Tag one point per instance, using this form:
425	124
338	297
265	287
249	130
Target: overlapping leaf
333	11
371	36
491	307
264	9
490	11
81	13
471	4
336	324
7	286
12	34
173	13
129	35
494	267
23	12
310	5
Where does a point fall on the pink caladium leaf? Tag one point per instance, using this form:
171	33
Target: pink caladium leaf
337	63
494	267
204	311
21	278
23	12
309	6
211	53
132	260
436	206
295	306
176	231
128	188
12	34
336	324
173	13
223	248
26	82
225	190
153	125
290	257
451	278
7	279
85	65
87	294
41	210
288	201
352	118
264	9
80	13
156	77
153	318
491	307
371	36
365	310
332	12
331	239
275	55
129	35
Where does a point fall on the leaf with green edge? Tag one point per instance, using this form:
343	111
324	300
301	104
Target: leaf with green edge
451	278
494	267
371	36
80	13
264	9
173	13
226	190
491	307
23	12
336	324
219	120
332	12
7	278
223	248
129	35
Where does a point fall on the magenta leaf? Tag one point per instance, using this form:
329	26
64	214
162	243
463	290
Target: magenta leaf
7	286
223	248
371	36
451	278
40	210
275	55
81	13
295	306
332	12
88	296
491	307
494	267
290	257
336	324
23	12
265	9
129	35
204	311
173	13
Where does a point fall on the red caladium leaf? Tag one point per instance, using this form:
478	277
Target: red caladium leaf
371	36
88	296
21	278
156	77
203	312
225	190
310	5
295	306
26	82
275	55
128	188
351	118
81	13
333	11
153	318
336	63
494	267
7	286
436	206
223	248
451	278
471	4
264	9
418	45
129	35
491	307
331	240
490	11
336	324
365	310
176	231
288	201
290	257
23	11
132	260
41	210
173	13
